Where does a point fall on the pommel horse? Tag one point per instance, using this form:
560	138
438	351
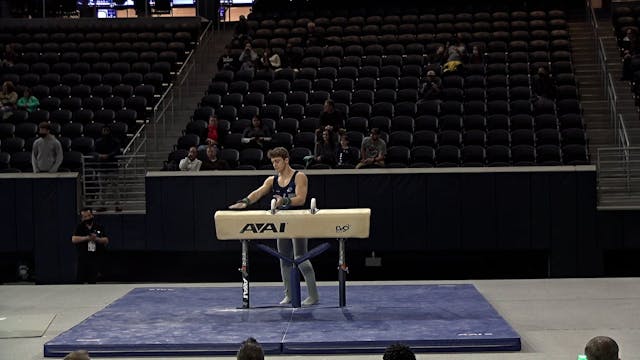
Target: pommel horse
313	223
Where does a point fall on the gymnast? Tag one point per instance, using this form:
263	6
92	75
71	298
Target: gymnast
289	189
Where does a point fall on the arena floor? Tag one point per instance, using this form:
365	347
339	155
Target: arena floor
554	317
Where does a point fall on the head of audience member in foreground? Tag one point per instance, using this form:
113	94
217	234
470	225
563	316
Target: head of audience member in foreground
601	348
250	350
78	355
398	352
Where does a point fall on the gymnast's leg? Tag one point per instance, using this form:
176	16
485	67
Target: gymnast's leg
286	248
300	247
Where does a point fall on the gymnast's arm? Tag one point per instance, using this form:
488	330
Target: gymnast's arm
256	195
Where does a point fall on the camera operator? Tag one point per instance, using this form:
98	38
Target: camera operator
90	241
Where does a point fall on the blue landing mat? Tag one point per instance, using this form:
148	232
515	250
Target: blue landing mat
205	321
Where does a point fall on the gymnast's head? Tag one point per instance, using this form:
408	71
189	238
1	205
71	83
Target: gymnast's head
250	349
398	352
279	158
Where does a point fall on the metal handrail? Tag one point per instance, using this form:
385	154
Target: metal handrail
624	136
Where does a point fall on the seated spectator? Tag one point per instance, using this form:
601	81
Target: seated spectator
331	120
8	99
212	133
629	41
270	61
292	59
257	134
9	56
602	348
455	56
227	61
243	31
476	57
345	154
431	87
325	151
543	85
191	162
248	53
250	349
46	153
438	58
27	101
373	150
398	352
77	355
312	38
211	162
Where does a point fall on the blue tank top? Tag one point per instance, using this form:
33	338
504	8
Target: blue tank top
287	191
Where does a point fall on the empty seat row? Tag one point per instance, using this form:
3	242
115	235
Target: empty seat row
63	116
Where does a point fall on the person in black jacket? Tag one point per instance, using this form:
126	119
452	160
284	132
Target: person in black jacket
227	61
91	242
345	154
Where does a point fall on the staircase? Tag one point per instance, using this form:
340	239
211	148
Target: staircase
593	99
187	91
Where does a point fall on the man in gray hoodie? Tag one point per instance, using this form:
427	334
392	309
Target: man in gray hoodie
47	151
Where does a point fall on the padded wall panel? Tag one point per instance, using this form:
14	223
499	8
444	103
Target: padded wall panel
8	240
443	206
513	211
409	212
478	212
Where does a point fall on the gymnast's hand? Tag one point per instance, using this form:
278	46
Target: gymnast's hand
238	206
279	201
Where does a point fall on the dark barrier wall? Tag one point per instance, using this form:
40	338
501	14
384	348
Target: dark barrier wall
552	209
38	214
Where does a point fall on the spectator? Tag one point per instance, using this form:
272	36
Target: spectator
107	148
331	120
243	30
46	155
601	348
77	355
212	133
27	101
543	85
257	134
432	87
8	99
292	58
91	242
211	162
227	61
438	57
312	38
250	349
455	56
398	352
476	57
345	154
629	41
373	150
9	57
248	65
248	53
325	151
270	61
191	162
